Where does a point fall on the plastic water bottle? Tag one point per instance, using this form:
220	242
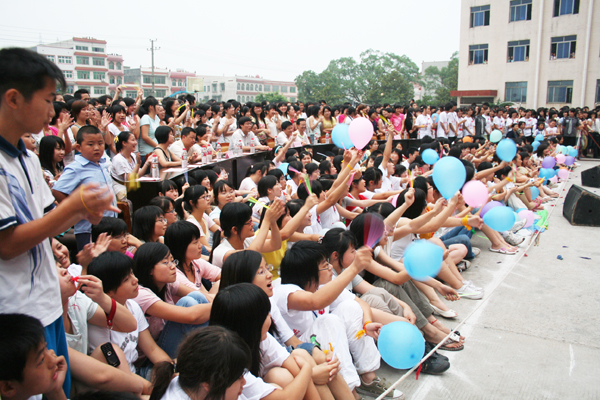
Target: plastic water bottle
154	167
240	148
209	153
184	159
252	147
327	138
204	161
218	151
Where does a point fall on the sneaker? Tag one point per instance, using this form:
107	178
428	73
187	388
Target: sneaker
514	240
518	225
469	292
476	251
435	365
472	285
463	265
377	387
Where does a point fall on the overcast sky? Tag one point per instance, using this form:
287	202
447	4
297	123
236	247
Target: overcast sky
273	39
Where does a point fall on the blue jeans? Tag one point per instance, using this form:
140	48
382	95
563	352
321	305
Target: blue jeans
56	340
459	235
174	332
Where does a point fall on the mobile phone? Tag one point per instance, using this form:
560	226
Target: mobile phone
110	355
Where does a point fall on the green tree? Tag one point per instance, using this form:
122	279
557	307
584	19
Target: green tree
442	81
347	79
274	97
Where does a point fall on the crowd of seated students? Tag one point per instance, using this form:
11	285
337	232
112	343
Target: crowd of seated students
239	290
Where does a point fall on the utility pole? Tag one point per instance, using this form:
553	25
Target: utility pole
152	49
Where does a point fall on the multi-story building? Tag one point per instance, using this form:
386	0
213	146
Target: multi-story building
85	63
166	82
244	88
532	53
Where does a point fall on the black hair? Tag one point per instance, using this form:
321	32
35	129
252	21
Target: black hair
276	172
144	109
243	308
384	209
178	237
162	134
263	167
87	130
27	72
243	120
316	187
285	125
300	265
337	162
144	220
311	167
372	174
340	240
233	215
46	154
266	182
162	202
325	167
115	109
417	207
399	169
240	267
191	196
112	268
110	225
212	355
297	165
219	187
166	185
105	395
58	107
122	138
144	260
20	337
187	130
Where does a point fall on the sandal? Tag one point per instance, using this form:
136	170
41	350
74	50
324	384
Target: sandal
455	348
504	250
445	314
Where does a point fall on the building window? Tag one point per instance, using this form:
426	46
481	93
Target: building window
83	74
82	48
238	98
112	80
292	99
99	75
560	91
119	66
292	89
64	60
89	89
480	16
563	47
478	54
222	87
238	88
51	58
565	7
99	90
598	91
157	79
161	93
83	60
98	49
148	92
132	95
214	87
275	88
284	89
119	80
98	61
516	92
520	10
68	74
111	65
267	88
518	51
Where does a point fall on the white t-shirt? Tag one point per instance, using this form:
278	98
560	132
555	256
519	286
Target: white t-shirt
283	330
272	354
499	123
281	139
388	183
175	392
299	321
177	149
254	389
442	121
422	121
247	184
246	139
223	248
125	341
232	128
470	123
70	157
293	187
488	123
28	282
452	118
329	217
460	123
112	128
120	169
529	125
80	309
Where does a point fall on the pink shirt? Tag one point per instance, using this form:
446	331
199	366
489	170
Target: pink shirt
397	121
146	298
207	220
202	269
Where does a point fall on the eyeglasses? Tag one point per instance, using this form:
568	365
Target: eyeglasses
171	262
121	237
249	223
263	271
170	212
206	197
163	220
327	267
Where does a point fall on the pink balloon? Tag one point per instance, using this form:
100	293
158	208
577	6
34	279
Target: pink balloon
560	158
360	132
475	193
563	174
554	179
527	215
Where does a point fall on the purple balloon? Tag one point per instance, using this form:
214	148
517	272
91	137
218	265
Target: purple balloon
489	206
569	160
548	162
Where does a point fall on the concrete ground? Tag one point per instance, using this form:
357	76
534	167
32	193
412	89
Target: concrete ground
536	332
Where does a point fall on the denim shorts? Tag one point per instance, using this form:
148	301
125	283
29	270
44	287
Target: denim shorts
306	346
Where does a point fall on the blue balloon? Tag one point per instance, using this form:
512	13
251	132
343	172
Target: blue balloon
547	173
535	145
449	175
340	136
573	152
521	209
430	156
564	150
506	150
401	345
539	138
535	192
423	260
284	167
500	218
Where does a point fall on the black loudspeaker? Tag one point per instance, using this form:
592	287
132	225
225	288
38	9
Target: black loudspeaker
582	207
591	177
